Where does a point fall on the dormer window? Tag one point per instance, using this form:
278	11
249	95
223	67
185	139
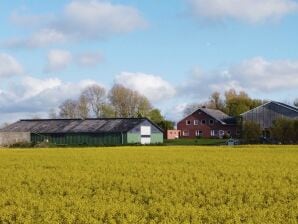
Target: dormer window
188	122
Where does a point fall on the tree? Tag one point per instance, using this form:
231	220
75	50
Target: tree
68	109
251	132
82	108
283	130
190	108
107	111
166	125
155	116
96	98
296	102
238	103
128	103
215	102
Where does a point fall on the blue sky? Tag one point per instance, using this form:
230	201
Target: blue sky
174	52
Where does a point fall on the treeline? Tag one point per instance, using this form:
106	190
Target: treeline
121	102
232	103
284	131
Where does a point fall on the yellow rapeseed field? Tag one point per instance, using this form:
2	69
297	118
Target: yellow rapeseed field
177	184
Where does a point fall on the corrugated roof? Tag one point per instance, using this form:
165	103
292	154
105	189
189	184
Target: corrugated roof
103	125
283	105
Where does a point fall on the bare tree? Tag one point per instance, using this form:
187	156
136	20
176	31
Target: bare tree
96	97
82	108
296	102
215	101
190	108
68	109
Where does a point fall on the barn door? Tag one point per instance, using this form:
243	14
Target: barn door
145	135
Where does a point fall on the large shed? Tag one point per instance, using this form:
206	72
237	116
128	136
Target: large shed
267	113
105	131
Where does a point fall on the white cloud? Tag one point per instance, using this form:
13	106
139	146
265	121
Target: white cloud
43	37
23	18
58	60
80	20
251	11
256	75
89	59
153	87
33	95
9	66
99	19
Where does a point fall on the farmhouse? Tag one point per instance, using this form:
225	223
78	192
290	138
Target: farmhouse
107	131
267	113
208	123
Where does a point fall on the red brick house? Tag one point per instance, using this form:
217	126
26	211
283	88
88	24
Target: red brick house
208	123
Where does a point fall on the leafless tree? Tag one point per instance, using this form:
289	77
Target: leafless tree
96	98
82	108
68	109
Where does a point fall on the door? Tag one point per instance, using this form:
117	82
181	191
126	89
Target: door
145	135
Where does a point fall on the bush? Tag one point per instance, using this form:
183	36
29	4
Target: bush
284	131
251	132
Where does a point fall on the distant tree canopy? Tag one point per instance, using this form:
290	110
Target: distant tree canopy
232	104
119	101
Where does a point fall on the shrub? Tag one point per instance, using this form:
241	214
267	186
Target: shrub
251	132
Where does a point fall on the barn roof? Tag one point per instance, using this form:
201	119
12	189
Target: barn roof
100	125
278	107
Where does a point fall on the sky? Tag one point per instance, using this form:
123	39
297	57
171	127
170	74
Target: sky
173	52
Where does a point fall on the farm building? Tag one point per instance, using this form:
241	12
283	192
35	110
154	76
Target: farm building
265	114
110	131
208	123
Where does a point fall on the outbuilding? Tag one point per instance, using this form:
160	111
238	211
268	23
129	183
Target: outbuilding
102	131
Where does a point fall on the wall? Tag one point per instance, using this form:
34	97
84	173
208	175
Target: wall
9	138
80	138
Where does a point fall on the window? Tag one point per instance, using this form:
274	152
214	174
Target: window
229	132
199	133
212	133
221	132
185	133
203	122
188	122
211	122
196	122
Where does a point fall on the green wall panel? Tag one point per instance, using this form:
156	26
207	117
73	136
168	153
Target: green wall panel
156	138
133	138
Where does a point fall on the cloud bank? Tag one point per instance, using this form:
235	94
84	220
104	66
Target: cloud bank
250	11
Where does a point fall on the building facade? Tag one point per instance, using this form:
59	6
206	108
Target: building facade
208	123
110	131
173	134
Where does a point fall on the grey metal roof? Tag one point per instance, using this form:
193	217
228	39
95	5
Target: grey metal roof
104	125
216	114
278	107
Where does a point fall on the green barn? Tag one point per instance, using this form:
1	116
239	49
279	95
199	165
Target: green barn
102	131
